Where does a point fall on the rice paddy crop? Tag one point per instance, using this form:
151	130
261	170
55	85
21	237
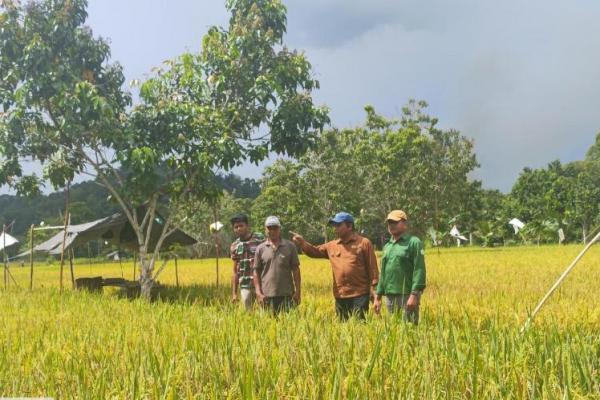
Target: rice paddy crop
194	344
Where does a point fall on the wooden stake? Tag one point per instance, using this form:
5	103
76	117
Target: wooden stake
120	262
66	226
89	257
4	257
558	282
13	278
176	272
216	244
71	265
134	263
31	258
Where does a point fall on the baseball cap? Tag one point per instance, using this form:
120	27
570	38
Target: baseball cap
239	218
397	215
272	221
341	217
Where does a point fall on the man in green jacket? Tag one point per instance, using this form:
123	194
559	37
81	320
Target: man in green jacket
402	276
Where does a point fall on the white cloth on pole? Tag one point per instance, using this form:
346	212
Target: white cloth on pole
516	224
454	232
7	240
561	235
216	226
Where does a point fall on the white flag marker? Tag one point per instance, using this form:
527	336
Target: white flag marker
516	224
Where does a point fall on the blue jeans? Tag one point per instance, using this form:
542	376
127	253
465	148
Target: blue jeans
397	302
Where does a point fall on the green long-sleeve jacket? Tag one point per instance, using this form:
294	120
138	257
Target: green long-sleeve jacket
402	266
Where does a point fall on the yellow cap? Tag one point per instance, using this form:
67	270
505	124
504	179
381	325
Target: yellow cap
397	215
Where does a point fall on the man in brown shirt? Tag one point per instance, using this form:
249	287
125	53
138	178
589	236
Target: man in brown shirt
277	270
353	263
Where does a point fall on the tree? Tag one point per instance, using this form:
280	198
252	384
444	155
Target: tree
583	198
283	194
196	216
593	153
372	169
308	192
412	164
243	96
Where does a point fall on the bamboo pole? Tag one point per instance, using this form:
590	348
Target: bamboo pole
89	257
72	255
558	282
7	273
120	262
10	275
5	261
176	272
134	262
216	244
31	258
66	226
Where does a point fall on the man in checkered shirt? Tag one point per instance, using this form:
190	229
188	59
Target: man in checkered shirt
242	253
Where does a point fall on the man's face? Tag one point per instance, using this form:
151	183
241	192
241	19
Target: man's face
273	232
241	229
343	229
397	228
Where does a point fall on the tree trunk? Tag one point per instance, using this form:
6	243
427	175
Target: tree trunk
584	232
146	271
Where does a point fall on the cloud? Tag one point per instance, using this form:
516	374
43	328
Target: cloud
518	77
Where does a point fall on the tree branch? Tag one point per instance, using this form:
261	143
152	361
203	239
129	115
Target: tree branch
159	270
149	218
132	217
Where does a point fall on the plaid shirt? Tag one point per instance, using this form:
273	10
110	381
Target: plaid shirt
242	253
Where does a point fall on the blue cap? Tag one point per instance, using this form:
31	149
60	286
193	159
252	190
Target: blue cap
341	217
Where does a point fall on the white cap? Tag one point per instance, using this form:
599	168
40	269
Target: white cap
272	221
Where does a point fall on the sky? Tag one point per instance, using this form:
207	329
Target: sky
518	77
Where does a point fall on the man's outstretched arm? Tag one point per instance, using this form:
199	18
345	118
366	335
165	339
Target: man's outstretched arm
310	249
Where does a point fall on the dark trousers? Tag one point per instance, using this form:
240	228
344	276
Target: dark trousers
397	303
347	307
278	304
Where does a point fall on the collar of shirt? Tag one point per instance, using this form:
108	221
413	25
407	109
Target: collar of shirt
253	236
402	238
352	238
271	244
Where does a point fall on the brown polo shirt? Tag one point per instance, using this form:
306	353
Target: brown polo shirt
275	266
353	262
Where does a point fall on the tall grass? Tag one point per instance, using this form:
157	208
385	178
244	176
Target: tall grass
194	344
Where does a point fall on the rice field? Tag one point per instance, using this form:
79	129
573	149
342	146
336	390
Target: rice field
194	344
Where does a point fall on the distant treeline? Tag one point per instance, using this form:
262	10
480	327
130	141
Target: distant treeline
88	201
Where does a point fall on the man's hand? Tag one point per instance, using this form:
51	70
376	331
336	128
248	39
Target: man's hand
260	297
297	238
296	297
234	298
412	303
377	305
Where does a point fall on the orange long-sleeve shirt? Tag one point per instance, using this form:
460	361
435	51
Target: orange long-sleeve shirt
353	263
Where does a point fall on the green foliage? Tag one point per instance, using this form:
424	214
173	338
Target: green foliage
59	96
243	96
559	196
195	217
368	171
593	153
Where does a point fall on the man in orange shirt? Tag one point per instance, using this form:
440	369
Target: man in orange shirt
353	263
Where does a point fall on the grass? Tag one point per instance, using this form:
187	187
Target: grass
195	344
